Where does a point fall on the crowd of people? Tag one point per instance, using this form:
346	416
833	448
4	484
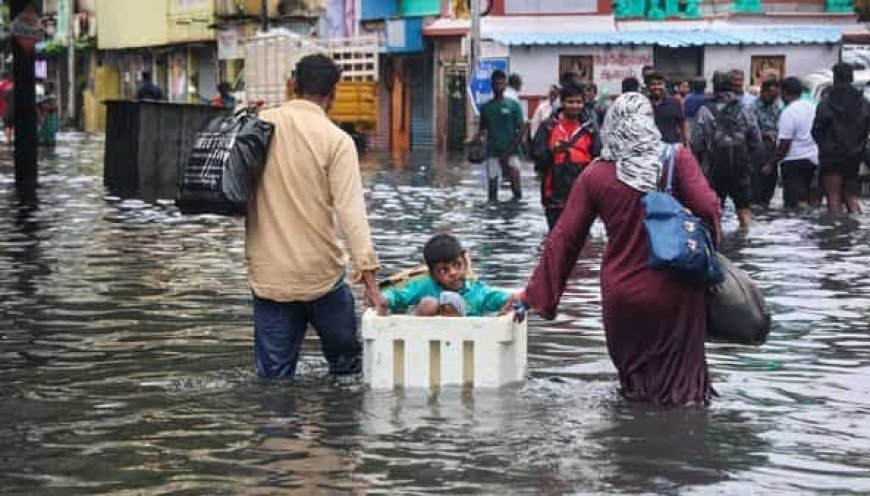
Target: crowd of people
746	142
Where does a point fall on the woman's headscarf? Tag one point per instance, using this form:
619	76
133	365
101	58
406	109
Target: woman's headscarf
633	142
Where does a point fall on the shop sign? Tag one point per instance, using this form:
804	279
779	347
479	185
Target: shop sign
481	87
228	44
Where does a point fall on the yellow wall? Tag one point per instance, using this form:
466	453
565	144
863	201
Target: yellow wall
131	23
188	20
107	84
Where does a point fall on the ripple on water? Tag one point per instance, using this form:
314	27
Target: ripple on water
125	360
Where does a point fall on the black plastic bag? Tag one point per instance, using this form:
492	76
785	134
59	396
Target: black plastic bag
736	311
476	150
226	164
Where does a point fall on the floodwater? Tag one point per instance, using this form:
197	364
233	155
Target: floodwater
125	361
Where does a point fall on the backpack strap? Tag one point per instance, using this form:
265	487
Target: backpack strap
669	156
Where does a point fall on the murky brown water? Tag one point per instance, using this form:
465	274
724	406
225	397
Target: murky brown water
125	361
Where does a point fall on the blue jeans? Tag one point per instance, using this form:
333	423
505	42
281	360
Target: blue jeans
279	328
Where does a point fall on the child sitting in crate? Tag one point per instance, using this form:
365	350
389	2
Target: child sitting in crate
446	290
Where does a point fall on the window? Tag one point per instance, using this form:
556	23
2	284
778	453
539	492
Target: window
763	64
578	64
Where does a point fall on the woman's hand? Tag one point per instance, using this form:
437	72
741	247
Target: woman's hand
516	303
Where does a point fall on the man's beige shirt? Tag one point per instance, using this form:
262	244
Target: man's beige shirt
310	188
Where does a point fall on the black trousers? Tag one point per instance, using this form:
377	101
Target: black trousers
797	180
763	187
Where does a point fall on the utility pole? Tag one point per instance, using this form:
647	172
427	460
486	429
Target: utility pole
264	15
24	108
71	65
473	50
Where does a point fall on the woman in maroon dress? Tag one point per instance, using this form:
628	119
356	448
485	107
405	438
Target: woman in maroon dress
654	323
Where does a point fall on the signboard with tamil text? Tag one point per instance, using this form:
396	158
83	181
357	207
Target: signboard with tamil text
480	88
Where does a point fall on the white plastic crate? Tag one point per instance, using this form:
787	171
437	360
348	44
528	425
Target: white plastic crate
422	352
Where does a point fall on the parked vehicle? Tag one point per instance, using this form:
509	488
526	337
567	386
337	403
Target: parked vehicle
270	59
818	83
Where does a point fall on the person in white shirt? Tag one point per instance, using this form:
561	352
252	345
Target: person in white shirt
796	153
545	109
515	84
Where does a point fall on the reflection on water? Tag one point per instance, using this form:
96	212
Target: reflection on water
125	360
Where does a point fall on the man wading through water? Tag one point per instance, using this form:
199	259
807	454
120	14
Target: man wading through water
564	144
310	189
725	132
502	121
767	108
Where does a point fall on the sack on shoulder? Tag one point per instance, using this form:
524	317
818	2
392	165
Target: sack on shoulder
678	240
736	310
226	164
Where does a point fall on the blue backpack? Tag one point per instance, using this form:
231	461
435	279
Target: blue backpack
678	240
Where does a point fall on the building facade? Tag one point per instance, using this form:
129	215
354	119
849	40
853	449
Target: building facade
605	42
406	71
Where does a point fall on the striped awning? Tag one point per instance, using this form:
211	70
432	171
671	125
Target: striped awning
677	38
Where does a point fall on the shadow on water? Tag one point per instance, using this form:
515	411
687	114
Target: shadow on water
125	359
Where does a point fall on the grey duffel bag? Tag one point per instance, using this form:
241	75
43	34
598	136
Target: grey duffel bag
736	311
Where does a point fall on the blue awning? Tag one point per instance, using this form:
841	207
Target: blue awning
677	38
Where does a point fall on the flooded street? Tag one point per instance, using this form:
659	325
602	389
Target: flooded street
126	360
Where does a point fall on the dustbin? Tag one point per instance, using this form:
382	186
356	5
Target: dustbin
147	145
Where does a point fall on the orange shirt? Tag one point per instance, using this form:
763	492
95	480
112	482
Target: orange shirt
579	153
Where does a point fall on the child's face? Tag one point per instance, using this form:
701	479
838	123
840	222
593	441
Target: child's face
450	275
572	106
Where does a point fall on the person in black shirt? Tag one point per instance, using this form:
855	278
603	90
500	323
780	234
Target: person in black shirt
630	84
148	90
668	111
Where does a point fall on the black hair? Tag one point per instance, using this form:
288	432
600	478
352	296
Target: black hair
441	248
515	80
146	75
722	82
567	77
655	76
224	87
791	86
630	84
843	73
498	75
769	83
316	75
569	90
698	85
592	87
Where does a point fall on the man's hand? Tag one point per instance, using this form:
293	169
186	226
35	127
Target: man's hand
768	169
372	295
374	298
563	146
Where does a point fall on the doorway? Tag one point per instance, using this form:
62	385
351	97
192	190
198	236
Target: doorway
456	108
679	64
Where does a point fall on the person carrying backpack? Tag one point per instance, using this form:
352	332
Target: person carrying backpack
724	135
564	144
840	129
